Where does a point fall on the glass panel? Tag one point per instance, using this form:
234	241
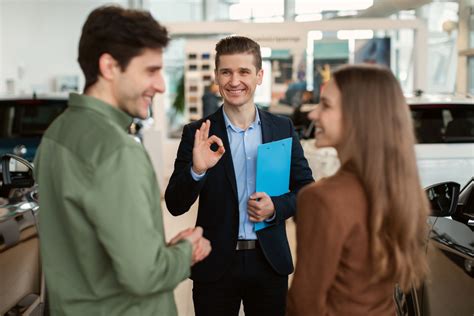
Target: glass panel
34	120
442	45
467	199
392	48
23	120
443	123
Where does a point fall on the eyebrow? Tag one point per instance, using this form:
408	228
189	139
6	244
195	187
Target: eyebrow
154	68
324	99
240	69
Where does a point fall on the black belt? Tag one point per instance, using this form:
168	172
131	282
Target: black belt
247	244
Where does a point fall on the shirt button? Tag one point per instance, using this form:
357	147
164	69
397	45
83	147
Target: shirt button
248	158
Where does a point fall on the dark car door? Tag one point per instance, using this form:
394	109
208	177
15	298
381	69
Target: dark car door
450	288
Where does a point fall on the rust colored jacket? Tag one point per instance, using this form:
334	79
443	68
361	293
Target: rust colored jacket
333	268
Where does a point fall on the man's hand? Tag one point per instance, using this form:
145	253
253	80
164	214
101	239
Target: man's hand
201	246
260	207
201	249
203	157
181	235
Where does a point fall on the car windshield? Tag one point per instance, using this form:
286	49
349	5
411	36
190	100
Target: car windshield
443	123
28	118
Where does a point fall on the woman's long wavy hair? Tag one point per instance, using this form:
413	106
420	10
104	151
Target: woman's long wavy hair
379	146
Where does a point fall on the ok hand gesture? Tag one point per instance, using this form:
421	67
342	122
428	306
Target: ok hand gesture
203	157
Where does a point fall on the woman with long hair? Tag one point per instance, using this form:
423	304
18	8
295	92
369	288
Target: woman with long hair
362	230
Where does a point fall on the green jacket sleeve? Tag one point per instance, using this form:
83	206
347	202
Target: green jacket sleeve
123	205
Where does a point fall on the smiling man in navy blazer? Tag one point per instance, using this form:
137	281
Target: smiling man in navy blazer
216	161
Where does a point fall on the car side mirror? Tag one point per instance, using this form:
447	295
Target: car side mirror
443	198
16	172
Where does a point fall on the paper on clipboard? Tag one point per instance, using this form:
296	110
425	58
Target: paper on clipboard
273	170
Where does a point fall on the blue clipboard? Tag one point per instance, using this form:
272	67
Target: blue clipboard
273	170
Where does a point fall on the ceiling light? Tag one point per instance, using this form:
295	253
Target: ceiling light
307	6
355	34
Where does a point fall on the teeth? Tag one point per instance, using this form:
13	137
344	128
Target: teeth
319	130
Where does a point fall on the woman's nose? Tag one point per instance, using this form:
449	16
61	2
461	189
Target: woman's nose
314	114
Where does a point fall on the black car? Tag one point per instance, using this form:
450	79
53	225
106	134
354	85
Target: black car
23	122
21	287
449	289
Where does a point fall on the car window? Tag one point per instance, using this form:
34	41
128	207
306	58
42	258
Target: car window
466	199
443	123
28	118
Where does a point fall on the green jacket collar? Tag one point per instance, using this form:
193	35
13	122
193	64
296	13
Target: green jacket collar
110	112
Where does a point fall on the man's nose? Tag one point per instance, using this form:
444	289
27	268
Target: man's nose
159	84
235	80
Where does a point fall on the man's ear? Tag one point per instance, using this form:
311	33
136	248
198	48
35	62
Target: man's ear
107	66
259	76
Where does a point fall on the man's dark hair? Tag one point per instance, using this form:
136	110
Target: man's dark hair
122	33
239	45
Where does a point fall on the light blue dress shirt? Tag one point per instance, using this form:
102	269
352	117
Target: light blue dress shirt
243	146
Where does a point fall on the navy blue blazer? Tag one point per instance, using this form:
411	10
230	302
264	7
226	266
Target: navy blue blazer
218	212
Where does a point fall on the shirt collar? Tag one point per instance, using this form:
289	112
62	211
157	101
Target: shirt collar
229	124
110	112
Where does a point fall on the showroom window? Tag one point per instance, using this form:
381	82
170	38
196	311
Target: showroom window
441	18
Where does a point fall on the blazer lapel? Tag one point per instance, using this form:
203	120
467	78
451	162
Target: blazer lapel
219	129
267	127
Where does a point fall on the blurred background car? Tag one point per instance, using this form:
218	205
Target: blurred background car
444	128
23	120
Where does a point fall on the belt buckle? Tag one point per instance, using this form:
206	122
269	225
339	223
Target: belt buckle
246	244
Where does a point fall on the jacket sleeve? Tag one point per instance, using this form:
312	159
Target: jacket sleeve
123	207
320	234
300	175
182	190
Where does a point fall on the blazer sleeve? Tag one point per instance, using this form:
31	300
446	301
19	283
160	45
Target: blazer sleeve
300	175
320	233
182	190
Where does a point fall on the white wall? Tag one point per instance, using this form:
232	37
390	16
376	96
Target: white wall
39	40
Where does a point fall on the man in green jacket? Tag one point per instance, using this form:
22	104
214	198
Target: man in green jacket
102	243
